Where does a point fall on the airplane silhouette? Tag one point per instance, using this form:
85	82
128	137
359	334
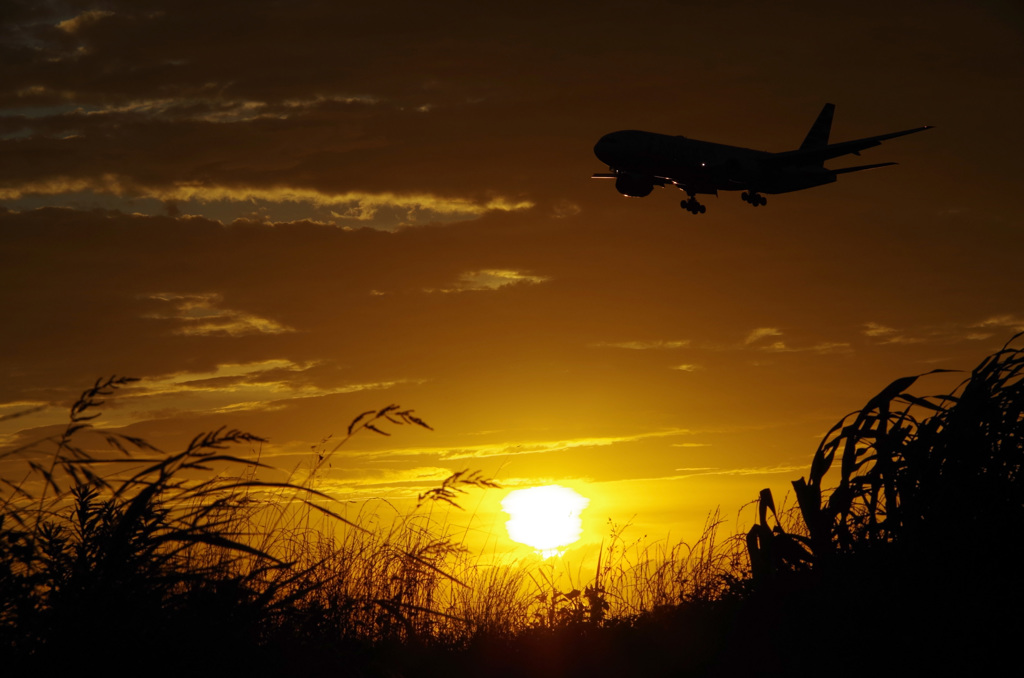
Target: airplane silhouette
639	161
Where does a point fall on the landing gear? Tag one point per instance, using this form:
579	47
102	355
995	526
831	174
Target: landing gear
754	198
692	206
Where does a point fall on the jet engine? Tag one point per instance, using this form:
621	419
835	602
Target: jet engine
633	186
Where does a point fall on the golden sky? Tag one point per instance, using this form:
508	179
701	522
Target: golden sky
281	214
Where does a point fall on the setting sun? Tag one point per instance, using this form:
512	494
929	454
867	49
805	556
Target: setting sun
546	518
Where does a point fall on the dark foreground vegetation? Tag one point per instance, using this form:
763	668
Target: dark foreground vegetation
901	556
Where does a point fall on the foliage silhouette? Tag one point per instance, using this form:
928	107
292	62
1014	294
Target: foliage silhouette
913	471
899	555
128	549
916	527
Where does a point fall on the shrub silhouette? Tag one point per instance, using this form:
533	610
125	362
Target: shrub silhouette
918	531
908	481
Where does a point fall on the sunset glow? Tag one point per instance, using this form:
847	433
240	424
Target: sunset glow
280	215
546	518
510	339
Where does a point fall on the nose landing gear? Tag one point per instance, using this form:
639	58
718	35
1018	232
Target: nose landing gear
754	198
692	206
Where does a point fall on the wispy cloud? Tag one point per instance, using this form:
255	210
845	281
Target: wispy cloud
563	209
357	205
643	345
201	315
873	329
492	279
947	333
685	473
780	346
888	335
762	333
1004	321
266	375
77	23
823	347
741	471
265	385
219	110
410	481
519	447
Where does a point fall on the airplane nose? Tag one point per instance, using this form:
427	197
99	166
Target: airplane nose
604	147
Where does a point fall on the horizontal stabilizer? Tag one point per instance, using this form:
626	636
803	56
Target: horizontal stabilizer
893	135
604	175
817	155
858	168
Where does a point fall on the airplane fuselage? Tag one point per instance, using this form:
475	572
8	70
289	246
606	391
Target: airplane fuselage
639	161
703	166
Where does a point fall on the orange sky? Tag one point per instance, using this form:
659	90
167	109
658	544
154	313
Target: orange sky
279	215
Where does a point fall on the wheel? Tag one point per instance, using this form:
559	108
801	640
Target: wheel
703	209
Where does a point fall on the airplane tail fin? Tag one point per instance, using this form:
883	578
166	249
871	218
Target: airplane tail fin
817	137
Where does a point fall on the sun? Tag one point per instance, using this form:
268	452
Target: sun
546	518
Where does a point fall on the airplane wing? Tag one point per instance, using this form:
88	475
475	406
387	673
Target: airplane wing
818	155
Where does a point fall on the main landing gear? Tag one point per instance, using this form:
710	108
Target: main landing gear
692	206
754	198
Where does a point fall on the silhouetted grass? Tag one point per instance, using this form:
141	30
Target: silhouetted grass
123	549
902	543
911	512
912	473
112	547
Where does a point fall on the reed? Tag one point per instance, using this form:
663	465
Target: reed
110	547
906	535
120	544
913	473
107	540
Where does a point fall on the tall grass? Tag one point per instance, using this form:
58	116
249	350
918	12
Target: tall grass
128	545
908	515
915	474
908	538
642	575
109	542
119	545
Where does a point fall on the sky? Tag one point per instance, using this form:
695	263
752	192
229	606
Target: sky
278	215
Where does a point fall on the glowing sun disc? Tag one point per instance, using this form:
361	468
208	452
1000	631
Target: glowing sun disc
546	518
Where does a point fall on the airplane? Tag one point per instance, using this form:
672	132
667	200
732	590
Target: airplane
639	161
